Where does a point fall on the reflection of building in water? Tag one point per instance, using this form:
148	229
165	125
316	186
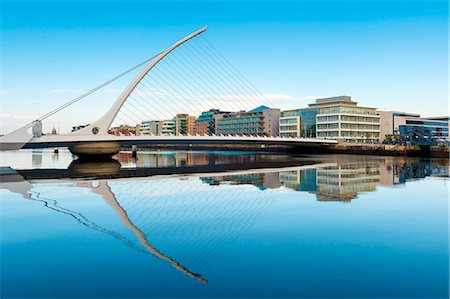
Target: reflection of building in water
36	158
300	180
261	180
337	182
188	158
344	182
405	172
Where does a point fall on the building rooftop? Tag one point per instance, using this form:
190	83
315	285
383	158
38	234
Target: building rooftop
334	99
260	108
340	100
401	113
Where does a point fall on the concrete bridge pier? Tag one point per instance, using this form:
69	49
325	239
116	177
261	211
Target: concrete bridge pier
95	150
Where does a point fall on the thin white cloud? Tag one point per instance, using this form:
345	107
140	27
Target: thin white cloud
277	97
15	117
4	93
66	90
35	102
113	90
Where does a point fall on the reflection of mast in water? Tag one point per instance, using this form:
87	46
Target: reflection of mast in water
108	196
80	218
25	189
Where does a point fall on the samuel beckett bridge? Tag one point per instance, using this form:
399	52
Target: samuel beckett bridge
189	77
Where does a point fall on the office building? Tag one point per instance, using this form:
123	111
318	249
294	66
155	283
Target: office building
332	118
298	122
184	124
167	127
259	121
413	127
150	127
205	124
341	118
157	127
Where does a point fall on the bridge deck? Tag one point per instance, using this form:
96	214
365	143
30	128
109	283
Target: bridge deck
69	139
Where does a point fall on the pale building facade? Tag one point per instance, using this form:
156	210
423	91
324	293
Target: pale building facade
340	118
394	122
157	127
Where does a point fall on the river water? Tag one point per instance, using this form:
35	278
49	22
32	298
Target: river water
223	224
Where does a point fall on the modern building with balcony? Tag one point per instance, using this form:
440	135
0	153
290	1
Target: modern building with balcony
332	118
157	127
149	127
341	118
205	124
167	127
184	124
261	121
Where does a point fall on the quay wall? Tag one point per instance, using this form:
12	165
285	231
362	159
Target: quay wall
341	148
390	150
359	149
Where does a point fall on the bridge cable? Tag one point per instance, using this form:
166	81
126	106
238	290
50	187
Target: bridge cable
207	59
224	60
95	89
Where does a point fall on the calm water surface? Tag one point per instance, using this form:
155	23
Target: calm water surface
328	227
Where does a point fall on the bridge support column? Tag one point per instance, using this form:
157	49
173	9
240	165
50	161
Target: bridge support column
95	150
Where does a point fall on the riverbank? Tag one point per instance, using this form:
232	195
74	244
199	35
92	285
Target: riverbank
391	150
341	148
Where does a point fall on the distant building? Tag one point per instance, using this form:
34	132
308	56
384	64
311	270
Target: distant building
205	124
149	127
298	122
332	118
259	121
157	127
419	130
391	120
126	130
184	124
167	127
341	118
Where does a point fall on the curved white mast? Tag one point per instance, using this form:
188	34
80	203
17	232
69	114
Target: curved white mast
102	125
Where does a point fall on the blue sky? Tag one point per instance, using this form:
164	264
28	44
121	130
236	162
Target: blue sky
387	54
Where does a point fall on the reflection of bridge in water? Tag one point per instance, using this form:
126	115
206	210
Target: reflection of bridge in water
186	228
190	226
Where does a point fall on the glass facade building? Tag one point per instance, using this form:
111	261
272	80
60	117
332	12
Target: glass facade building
341	118
298	123
333	118
205	124
407	126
